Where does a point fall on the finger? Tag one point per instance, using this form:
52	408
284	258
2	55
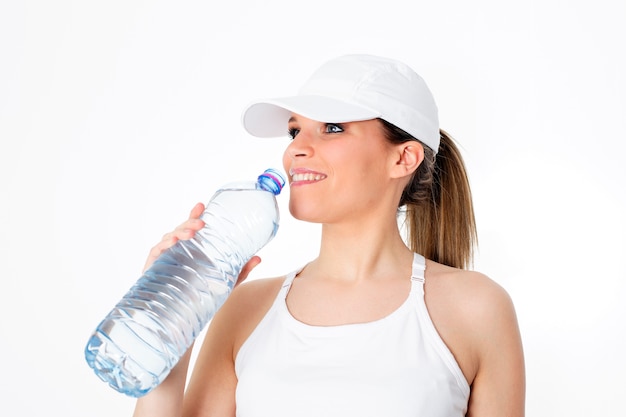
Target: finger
184	231
168	241
193	223
187	229
249	266
196	211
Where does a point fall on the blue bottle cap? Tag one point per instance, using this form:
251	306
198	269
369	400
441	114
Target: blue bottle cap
271	180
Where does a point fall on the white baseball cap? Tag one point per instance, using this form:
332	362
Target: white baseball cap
353	88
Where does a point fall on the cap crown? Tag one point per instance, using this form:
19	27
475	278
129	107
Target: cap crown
353	88
388	88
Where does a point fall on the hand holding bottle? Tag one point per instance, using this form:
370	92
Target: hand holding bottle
186	231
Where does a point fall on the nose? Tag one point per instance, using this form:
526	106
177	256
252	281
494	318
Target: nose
300	146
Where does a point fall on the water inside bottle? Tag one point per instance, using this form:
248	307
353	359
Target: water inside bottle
143	337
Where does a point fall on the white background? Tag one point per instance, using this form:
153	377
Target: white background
116	117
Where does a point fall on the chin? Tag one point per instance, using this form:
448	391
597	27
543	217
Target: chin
304	213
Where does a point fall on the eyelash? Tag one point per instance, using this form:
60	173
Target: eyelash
293	132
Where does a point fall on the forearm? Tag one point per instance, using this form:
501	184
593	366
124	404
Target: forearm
166	400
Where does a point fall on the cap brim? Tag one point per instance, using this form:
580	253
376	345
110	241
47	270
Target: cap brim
269	118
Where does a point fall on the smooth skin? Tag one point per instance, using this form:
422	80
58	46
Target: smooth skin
349	179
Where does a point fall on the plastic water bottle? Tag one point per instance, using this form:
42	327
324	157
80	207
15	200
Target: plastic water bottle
152	326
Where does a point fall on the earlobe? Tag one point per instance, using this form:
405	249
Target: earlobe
411	155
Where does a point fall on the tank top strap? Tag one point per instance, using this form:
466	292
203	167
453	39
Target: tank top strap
418	269
284	289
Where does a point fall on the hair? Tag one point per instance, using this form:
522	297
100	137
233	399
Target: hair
440	218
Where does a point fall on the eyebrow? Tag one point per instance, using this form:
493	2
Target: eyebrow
291	119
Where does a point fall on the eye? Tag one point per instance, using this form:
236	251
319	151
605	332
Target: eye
293	132
333	128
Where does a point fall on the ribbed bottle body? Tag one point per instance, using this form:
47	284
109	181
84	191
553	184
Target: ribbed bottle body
137	344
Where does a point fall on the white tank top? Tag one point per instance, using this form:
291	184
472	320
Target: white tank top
396	366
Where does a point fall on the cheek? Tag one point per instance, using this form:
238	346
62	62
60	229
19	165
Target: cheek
286	162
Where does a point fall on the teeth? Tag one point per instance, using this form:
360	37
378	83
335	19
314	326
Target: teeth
307	177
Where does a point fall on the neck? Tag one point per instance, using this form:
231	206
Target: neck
357	250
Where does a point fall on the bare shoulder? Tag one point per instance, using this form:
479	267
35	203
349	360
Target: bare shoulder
474	294
256	290
475	317
248	304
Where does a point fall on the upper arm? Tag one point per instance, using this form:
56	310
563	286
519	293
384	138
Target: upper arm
213	383
211	390
498	389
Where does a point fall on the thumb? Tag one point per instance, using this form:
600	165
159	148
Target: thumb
247	268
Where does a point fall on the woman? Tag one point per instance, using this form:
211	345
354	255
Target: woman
370	327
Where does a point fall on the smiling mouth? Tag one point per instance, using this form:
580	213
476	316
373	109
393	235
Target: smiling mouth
306	176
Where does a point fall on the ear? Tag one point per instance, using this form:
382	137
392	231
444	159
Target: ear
409	156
